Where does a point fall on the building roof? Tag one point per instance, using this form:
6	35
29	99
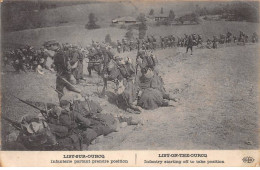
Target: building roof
122	19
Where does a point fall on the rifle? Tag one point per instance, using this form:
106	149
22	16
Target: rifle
66	81
57	91
137	65
16	125
43	112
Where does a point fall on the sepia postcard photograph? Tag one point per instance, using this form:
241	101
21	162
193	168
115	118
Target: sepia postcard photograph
129	83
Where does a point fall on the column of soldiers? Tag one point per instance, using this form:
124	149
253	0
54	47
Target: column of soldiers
170	41
229	38
29	59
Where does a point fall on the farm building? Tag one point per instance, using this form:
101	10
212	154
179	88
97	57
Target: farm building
124	20
160	17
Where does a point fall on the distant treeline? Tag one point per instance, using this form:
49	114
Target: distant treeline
20	15
32	5
238	11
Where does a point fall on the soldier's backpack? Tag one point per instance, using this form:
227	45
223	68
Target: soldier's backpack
81	56
87	108
126	70
150	61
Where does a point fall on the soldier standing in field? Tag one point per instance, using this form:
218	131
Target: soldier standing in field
189	43
214	42
118	46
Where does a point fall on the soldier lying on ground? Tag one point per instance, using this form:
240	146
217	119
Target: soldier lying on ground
71	126
31	133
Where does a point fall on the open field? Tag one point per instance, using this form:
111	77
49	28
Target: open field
77	34
218	106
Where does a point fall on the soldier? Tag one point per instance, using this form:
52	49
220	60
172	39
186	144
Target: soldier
19	62
119	46
199	40
185	40
162	42
246	38
152	93
32	133
154	42
254	38
68	125
76	59
63	68
131	45
222	38
178	41
6	57
84	118
126	85
174	40
209	44
106	56
138	43
92	58
214	42
147	60
234	39
143	45
124	45
189	43
228	37
43	58
241	36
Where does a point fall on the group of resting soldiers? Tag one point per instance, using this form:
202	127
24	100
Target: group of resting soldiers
77	121
26	58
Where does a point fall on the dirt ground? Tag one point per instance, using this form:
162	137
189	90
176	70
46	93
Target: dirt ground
218	107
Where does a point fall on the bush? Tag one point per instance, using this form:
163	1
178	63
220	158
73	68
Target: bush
129	34
142	27
123	26
91	26
92	22
108	39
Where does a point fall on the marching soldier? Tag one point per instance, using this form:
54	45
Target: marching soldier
214	42
119	46
63	68
209	44
254	37
189	43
